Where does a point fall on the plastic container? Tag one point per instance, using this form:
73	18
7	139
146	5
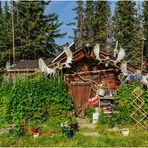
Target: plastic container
101	92
95	117
125	131
35	135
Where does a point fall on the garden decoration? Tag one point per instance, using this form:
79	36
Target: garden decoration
69	57
44	68
139	113
115	51
107	60
52	71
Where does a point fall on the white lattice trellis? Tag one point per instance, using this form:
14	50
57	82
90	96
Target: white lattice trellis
139	114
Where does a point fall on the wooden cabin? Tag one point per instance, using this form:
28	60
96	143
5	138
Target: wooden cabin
88	73
86	68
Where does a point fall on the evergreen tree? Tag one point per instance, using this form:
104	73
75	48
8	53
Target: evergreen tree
79	23
7	28
145	25
35	31
145	20
1	27
101	22
127	30
4	41
88	22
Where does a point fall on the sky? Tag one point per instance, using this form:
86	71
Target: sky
66	15
64	9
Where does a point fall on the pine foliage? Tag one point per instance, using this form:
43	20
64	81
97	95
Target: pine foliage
145	18
35	31
101	22
127	30
88	21
5	33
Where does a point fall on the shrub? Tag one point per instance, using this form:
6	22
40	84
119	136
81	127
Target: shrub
89	112
33	98
123	101
125	95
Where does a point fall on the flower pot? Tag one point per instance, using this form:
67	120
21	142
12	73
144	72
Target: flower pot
64	130
35	134
74	127
69	133
125	131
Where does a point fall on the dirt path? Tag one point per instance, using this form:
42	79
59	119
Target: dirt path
86	128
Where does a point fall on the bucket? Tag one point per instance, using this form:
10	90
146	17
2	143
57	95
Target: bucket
101	92
35	135
69	133
125	131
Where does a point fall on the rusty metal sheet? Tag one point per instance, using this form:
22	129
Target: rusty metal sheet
80	93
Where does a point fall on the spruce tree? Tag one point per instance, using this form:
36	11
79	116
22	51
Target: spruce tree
35	32
1	27
78	24
127	30
79	19
7	27
145	26
88	22
101	22
145	18
4	36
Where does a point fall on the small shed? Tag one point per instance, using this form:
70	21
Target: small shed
24	68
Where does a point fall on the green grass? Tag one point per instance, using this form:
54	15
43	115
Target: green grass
137	137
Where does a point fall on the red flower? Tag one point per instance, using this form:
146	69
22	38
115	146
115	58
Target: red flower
89	103
33	129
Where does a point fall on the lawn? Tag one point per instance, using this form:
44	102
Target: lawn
136	138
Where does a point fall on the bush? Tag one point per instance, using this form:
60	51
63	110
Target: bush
33	98
125	95
120	118
124	102
89	112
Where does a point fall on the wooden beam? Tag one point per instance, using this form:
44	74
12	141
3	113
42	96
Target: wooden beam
89	72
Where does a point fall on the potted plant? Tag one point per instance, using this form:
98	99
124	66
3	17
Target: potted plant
67	130
74	125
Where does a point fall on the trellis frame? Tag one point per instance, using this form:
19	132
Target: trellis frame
138	108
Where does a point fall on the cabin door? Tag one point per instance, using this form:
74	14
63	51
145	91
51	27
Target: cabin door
80	94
